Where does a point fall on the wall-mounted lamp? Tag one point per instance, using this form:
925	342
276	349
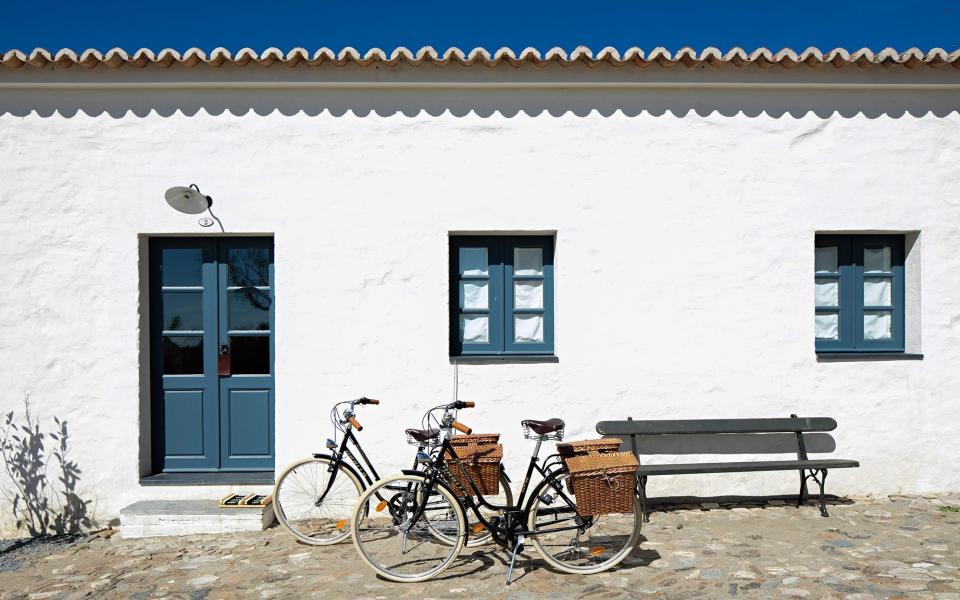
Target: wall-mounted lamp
190	200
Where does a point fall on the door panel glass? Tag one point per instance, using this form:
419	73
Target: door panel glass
183	311
250	355
181	266
183	355
248	266
249	309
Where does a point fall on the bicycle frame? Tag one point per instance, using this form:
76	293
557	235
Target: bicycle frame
506	533
338	459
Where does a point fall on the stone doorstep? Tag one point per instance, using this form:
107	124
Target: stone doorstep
153	518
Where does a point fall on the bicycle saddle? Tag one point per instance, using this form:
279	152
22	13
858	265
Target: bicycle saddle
422	435
544	427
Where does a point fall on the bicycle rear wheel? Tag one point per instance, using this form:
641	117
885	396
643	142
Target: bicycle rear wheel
297	504
574	543
398	543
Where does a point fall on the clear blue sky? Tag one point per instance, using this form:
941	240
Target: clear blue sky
104	24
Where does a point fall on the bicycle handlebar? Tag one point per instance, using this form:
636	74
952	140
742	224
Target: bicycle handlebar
461	427
367	401
356	424
461	404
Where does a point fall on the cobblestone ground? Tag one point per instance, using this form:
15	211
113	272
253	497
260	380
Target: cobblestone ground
898	547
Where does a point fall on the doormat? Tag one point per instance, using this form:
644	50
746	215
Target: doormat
245	501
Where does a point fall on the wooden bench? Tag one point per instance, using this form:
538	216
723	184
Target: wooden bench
661	436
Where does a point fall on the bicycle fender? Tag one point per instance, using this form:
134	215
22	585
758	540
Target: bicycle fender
363	482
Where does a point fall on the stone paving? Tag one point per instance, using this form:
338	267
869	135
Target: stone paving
897	547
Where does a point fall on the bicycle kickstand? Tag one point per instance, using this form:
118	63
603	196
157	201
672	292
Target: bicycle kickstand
517	547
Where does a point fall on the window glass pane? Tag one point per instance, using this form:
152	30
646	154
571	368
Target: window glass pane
877	291
474	329
181	266
877	325
825	259
827	292
248	266
183	311
473	261
877	260
827	326
249	309
528	328
249	355
527	261
183	355
528	294
475	294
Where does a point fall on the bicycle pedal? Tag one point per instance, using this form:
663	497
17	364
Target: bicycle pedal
546	499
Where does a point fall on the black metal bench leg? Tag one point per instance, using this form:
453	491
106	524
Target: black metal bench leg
803	488
823	481
643	499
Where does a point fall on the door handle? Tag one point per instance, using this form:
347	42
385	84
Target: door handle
223	360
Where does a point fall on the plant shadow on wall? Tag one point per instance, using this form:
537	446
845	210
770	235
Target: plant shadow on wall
40	506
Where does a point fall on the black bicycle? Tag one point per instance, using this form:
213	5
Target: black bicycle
314	497
398	530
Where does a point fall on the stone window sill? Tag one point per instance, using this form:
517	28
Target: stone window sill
500	359
866	356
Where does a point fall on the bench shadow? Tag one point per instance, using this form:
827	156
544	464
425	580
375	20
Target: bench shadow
668	504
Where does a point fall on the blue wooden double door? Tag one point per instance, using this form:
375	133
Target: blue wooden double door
212	354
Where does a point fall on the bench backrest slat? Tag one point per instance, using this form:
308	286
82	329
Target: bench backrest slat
676	426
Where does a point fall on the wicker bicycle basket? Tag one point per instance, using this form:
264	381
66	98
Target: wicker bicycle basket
474	438
603	483
583	447
481	462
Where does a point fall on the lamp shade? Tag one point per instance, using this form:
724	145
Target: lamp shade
186	200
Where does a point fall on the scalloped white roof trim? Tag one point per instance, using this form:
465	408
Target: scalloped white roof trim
688	57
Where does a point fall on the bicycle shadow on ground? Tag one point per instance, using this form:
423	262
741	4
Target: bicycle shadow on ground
479	560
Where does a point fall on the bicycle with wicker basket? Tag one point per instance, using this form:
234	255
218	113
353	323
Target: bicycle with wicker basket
583	516
314	497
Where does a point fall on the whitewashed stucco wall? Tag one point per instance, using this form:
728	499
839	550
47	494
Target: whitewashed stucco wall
684	220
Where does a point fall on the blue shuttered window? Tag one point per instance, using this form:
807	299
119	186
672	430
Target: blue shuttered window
859	293
501	295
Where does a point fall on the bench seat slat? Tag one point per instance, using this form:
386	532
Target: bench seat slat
743	467
675	426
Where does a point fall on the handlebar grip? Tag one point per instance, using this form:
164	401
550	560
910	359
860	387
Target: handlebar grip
369	401
356	424
469	404
461	427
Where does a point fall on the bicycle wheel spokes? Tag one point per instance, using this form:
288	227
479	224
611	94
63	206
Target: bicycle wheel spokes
299	508
395	528
580	544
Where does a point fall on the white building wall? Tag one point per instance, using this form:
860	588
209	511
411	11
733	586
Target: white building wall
685	222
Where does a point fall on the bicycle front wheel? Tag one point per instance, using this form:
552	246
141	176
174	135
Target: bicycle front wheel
309	510
395	528
574	543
